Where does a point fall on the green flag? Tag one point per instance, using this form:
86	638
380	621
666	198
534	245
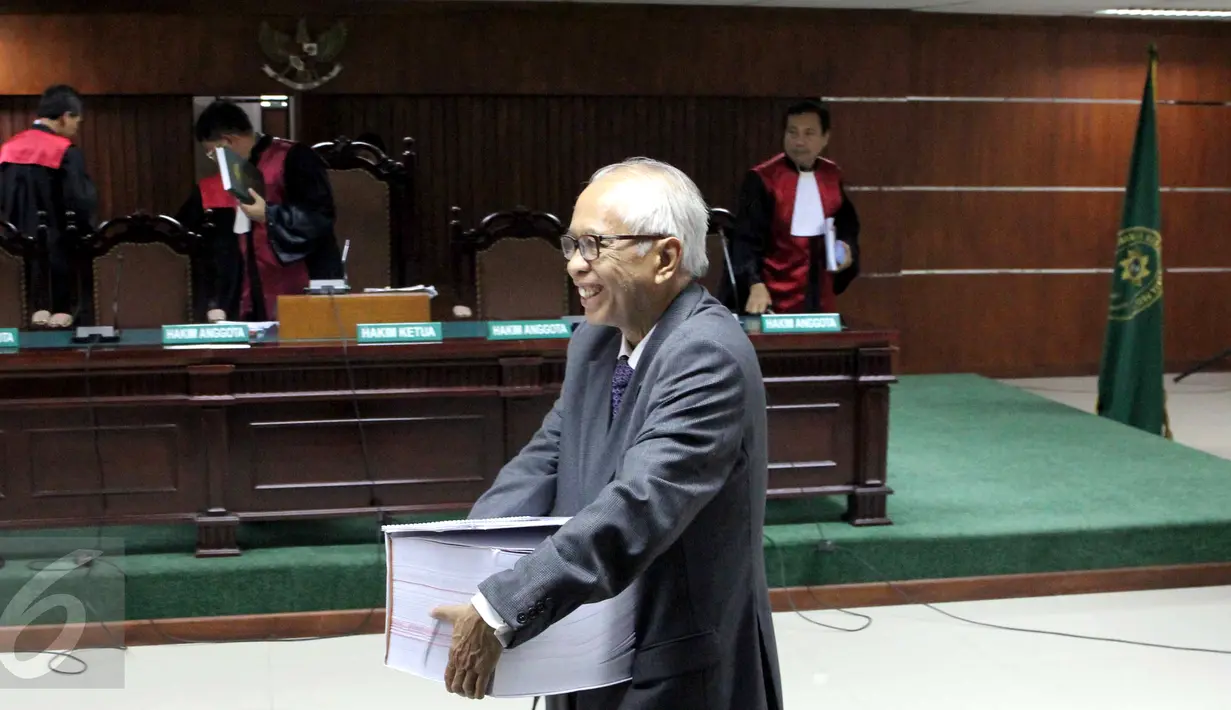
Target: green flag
1130	387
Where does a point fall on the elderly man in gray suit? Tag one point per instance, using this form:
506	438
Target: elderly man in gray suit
656	448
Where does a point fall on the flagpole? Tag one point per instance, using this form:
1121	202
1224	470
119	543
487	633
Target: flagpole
1131	385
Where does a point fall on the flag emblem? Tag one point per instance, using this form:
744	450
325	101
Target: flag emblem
1137	253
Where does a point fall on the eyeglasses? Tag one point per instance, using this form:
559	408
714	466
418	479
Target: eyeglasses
589	243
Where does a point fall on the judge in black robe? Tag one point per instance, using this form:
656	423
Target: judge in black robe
273	246
768	275
41	171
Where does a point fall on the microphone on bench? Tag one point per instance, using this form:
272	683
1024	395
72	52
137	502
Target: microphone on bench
319	287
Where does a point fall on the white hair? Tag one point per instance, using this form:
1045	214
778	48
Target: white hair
662	200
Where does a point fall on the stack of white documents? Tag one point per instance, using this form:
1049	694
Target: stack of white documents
430	564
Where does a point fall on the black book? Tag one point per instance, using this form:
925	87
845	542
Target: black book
239	175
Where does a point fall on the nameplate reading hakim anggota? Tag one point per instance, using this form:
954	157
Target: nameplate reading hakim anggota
802	323
528	329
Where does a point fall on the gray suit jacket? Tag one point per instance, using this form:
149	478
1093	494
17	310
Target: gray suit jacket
671	492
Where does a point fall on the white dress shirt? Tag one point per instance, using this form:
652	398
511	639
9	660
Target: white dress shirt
480	603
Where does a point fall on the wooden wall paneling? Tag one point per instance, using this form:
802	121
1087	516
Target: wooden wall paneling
1022	144
1038	324
1012	230
886	221
943	47
582	50
1103	58
873	301
871	141
1106	58
1007	325
139	152
1193	145
1037	144
977	322
16	114
1193	230
1197	313
576	50
1051	230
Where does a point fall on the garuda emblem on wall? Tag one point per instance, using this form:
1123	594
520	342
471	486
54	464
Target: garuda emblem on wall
306	63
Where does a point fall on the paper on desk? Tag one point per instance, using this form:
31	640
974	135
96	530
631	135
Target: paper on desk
429	290
430	564
253	326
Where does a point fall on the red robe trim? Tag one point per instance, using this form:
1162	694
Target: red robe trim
35	147
788	260
276	277
214	196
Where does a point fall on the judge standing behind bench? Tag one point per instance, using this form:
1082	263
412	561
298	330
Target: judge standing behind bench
778	249
279	242
656	448
42	171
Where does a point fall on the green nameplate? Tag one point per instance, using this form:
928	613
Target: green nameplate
203	334
399	332
802	323
9	339
527	329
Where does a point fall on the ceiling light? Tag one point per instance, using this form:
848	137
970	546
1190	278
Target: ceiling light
1188	14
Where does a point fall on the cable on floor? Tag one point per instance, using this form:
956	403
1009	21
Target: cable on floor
1001	627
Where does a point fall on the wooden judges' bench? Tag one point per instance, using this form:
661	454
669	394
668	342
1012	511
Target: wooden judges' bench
135	433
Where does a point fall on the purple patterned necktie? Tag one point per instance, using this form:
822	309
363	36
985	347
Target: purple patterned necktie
619	382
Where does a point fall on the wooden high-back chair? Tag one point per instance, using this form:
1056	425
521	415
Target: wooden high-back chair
141	268
22	276
373	197
510	266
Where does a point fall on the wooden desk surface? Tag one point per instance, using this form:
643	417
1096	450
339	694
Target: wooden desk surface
141	349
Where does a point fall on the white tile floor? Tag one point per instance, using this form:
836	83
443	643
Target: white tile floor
911	657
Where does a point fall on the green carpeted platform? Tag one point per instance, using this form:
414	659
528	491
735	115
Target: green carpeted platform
988	479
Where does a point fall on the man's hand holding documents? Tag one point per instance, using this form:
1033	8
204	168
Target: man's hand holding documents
474	652
433	631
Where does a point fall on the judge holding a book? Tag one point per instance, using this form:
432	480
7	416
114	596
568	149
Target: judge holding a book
796	241
656	452
273	219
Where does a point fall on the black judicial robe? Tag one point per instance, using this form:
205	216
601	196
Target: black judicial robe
40	173
754	222
300	226
216	281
